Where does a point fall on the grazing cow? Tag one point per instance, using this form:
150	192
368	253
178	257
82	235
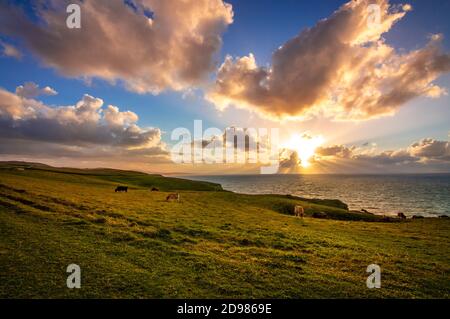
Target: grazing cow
154	189
299	211
173	196
121	189
401	215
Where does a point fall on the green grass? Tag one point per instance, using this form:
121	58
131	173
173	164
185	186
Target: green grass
211	244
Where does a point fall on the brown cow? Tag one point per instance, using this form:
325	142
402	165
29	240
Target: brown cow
173	196
299	211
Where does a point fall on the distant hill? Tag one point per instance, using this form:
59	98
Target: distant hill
131	178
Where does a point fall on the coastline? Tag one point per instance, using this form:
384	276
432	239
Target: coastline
382	194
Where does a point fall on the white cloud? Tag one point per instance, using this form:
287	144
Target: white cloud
431	149
423	151
10	51
32	90
76	130
341	68
172	49
336	150
114	117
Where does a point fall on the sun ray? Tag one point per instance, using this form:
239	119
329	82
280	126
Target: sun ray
305	146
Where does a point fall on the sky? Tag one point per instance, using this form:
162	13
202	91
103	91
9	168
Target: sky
347	94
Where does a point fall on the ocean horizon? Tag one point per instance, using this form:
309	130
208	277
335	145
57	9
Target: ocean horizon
385	194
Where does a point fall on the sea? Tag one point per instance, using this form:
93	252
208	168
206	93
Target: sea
419	194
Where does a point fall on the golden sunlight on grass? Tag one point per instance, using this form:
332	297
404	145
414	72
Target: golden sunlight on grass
305	146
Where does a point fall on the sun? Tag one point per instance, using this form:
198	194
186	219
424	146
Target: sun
305	146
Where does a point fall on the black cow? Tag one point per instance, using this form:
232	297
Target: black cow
154	189
121	189
401	215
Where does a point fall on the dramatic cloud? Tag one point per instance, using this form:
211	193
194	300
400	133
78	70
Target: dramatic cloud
423	152
335	150
31	90
431	149
28	126
341	68
289	162
387	158
10	50
150	45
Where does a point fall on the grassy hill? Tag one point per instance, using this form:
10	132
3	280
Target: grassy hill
212	243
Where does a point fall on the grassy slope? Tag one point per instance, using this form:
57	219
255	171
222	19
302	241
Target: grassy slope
211	244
